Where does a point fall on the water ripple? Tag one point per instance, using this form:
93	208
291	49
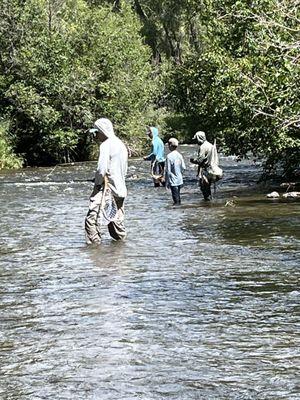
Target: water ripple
201	302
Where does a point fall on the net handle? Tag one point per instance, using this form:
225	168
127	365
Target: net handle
152	168
105	186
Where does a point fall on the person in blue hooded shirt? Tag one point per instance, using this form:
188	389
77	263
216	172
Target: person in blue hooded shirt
157	157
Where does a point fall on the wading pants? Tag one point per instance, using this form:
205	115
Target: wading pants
175	190
116	228
158	170
205	185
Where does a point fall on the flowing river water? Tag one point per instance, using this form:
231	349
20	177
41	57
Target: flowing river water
200	302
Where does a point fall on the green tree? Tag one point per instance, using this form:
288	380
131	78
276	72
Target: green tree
66	64
8	158
241	86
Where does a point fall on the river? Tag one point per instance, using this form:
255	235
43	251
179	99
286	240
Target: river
200	302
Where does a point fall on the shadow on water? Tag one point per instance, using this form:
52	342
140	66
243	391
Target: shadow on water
200	302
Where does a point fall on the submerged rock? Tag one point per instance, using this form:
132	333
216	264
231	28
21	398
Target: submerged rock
133	177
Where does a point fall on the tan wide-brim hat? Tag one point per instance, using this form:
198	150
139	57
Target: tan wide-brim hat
200	135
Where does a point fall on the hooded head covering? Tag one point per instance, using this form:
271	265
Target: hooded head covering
157	152
105	126
200	136
153	130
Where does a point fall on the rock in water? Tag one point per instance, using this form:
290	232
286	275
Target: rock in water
292	195
273	195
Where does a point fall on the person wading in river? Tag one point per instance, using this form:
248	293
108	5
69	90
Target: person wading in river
111	172
174	167
203	161
156	157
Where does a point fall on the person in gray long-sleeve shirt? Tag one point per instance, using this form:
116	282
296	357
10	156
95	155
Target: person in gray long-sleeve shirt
173	171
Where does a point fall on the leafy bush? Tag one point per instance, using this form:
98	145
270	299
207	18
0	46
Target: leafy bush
242	84
75	64
7	157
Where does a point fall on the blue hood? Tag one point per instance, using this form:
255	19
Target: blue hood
154	131
158	148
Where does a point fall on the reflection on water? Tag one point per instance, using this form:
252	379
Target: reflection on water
199	303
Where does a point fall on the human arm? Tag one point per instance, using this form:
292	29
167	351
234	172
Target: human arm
183	167
201	157
167	169
103	162
157	151
151	156
195	161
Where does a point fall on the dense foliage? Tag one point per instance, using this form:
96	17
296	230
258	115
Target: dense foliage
8	159
63	65
242	86
228	67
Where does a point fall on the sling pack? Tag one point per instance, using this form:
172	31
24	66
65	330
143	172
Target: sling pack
214	171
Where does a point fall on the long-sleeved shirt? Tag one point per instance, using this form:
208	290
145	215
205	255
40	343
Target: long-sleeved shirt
174	167
204	154
158	148
112	163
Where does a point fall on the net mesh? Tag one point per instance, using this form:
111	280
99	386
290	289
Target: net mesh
108	210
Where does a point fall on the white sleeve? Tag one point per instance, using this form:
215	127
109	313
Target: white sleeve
183	167
102	167
167	169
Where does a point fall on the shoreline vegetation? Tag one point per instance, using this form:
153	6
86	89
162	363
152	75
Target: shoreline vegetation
228	68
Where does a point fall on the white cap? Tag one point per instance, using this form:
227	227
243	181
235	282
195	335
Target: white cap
173	142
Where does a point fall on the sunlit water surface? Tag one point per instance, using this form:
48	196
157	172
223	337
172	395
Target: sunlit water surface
200	302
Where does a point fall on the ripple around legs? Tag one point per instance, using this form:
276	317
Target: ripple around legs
199	302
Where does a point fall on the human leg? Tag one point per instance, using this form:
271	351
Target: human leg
205	184
116	228
158	169
162	173
92	229
175	190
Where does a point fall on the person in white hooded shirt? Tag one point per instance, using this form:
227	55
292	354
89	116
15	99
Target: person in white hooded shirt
112	168
203	161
